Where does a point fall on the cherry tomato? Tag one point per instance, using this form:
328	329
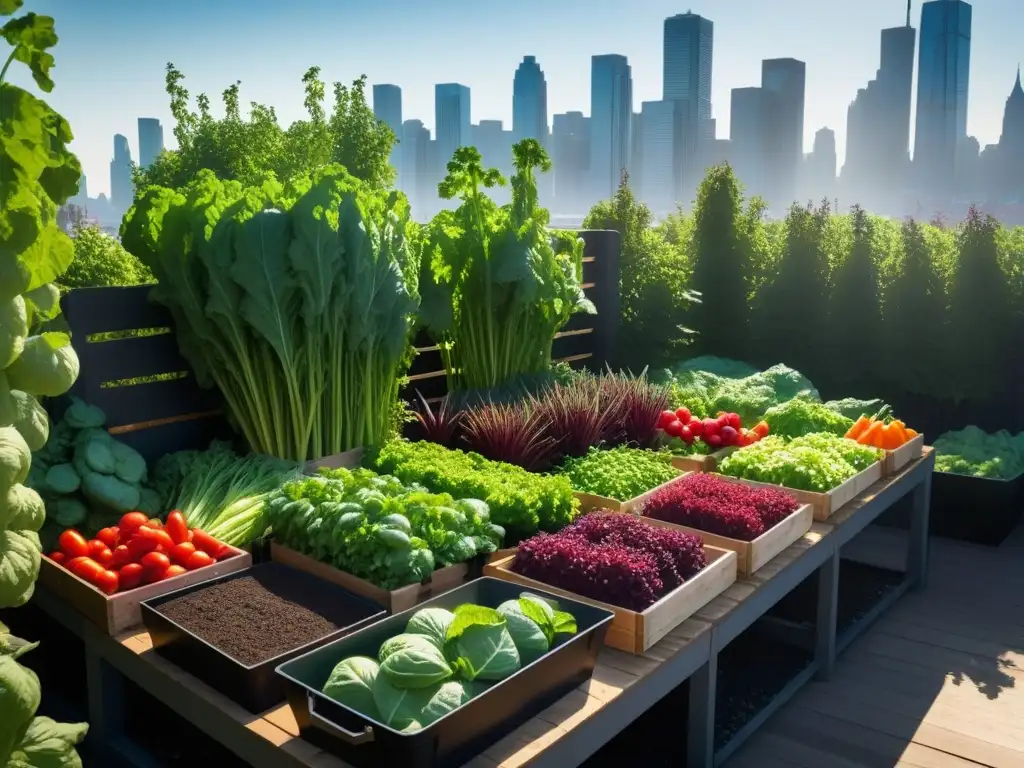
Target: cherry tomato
57	556
154	523
683	414
73	544
121	556
160	536
174	570
130	521
182	552
130	575
199	559
140	545
86	568
107	582
110	536
696	427
665	418
151	577
155	561
101	554
206	543
674	428
176	527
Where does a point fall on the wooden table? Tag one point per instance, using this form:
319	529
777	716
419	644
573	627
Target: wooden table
571	730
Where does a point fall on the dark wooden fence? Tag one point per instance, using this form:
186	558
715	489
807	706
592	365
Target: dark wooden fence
133	370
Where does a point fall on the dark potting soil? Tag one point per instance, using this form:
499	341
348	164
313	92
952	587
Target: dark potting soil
256	617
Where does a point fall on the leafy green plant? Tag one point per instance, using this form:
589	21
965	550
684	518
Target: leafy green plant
296	300
619	473
497	283
100	261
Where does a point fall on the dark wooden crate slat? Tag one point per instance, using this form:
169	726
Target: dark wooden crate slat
149	401
99	310
567	346
195	434
130	358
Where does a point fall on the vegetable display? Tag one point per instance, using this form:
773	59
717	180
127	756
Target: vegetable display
816	462
711	503
615	558
619	473
138	550
726	430
87	477
445	658
802	416
221	492
497	283
972	451
296	300
516	498
877	432
377	528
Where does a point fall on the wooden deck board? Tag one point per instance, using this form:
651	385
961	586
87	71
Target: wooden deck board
937	683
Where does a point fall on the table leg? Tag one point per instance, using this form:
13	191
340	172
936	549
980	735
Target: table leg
701	737
826	617
105	697
917	543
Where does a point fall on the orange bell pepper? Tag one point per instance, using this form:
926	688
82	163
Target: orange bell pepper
860	426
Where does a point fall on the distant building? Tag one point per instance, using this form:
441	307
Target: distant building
611	119
943	71
820	167
151	141
661	125
1002	164
495	146
121	188
747	130
417	177
387	107
688	43
570	150
451	118
784	82
530	102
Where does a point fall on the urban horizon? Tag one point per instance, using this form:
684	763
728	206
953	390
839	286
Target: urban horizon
666	144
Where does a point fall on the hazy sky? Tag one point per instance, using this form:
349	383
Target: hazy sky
112	54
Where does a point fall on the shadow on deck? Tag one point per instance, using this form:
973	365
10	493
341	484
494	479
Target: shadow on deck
938	682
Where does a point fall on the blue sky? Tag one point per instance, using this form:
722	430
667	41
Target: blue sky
112	55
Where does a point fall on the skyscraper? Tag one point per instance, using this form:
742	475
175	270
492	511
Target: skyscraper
530	102
495	145
820	167
451	118
387	107
611	117
660	129
570	140
943	69
121	191
746	135
151	140
784	84
416	177
688	41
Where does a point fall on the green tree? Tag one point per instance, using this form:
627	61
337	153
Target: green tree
791	309
914	311
980	313
100	260
721	267
653	291
854	329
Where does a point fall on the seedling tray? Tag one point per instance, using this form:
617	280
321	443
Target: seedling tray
255	686
119	612
464	733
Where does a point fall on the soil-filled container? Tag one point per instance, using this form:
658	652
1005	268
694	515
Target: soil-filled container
233	632
980	510
463	733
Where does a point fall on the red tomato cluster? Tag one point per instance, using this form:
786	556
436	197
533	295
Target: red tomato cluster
138	550
721	432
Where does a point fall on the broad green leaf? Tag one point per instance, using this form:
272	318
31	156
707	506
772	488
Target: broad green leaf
49	744
564	623
469	615
30	36
10	7
486	652
20	553
19	693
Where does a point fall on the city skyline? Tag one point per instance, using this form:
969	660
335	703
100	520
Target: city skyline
746	33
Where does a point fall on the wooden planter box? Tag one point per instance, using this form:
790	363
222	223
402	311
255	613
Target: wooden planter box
701	462
119	612
636	632
590	502
827	504
906	453
395	600
751	555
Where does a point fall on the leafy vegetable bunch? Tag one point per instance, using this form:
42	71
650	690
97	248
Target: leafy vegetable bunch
615	558
497	283
817	462
972	451
711	503
377	528
802	415
296	300
620	473
445	658
86	477
517	499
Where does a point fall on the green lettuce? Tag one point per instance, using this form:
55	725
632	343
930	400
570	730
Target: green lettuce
351	683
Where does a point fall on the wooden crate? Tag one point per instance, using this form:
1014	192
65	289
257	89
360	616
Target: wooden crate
910	451
395	600
590	502
701	463
751	555
119	612
635	632
827	504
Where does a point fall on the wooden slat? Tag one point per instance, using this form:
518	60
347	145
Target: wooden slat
152	400
101	310
131	358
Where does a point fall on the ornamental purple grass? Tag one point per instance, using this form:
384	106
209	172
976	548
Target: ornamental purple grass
614	558
710	503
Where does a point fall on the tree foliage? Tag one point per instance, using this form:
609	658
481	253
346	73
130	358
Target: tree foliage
244	147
